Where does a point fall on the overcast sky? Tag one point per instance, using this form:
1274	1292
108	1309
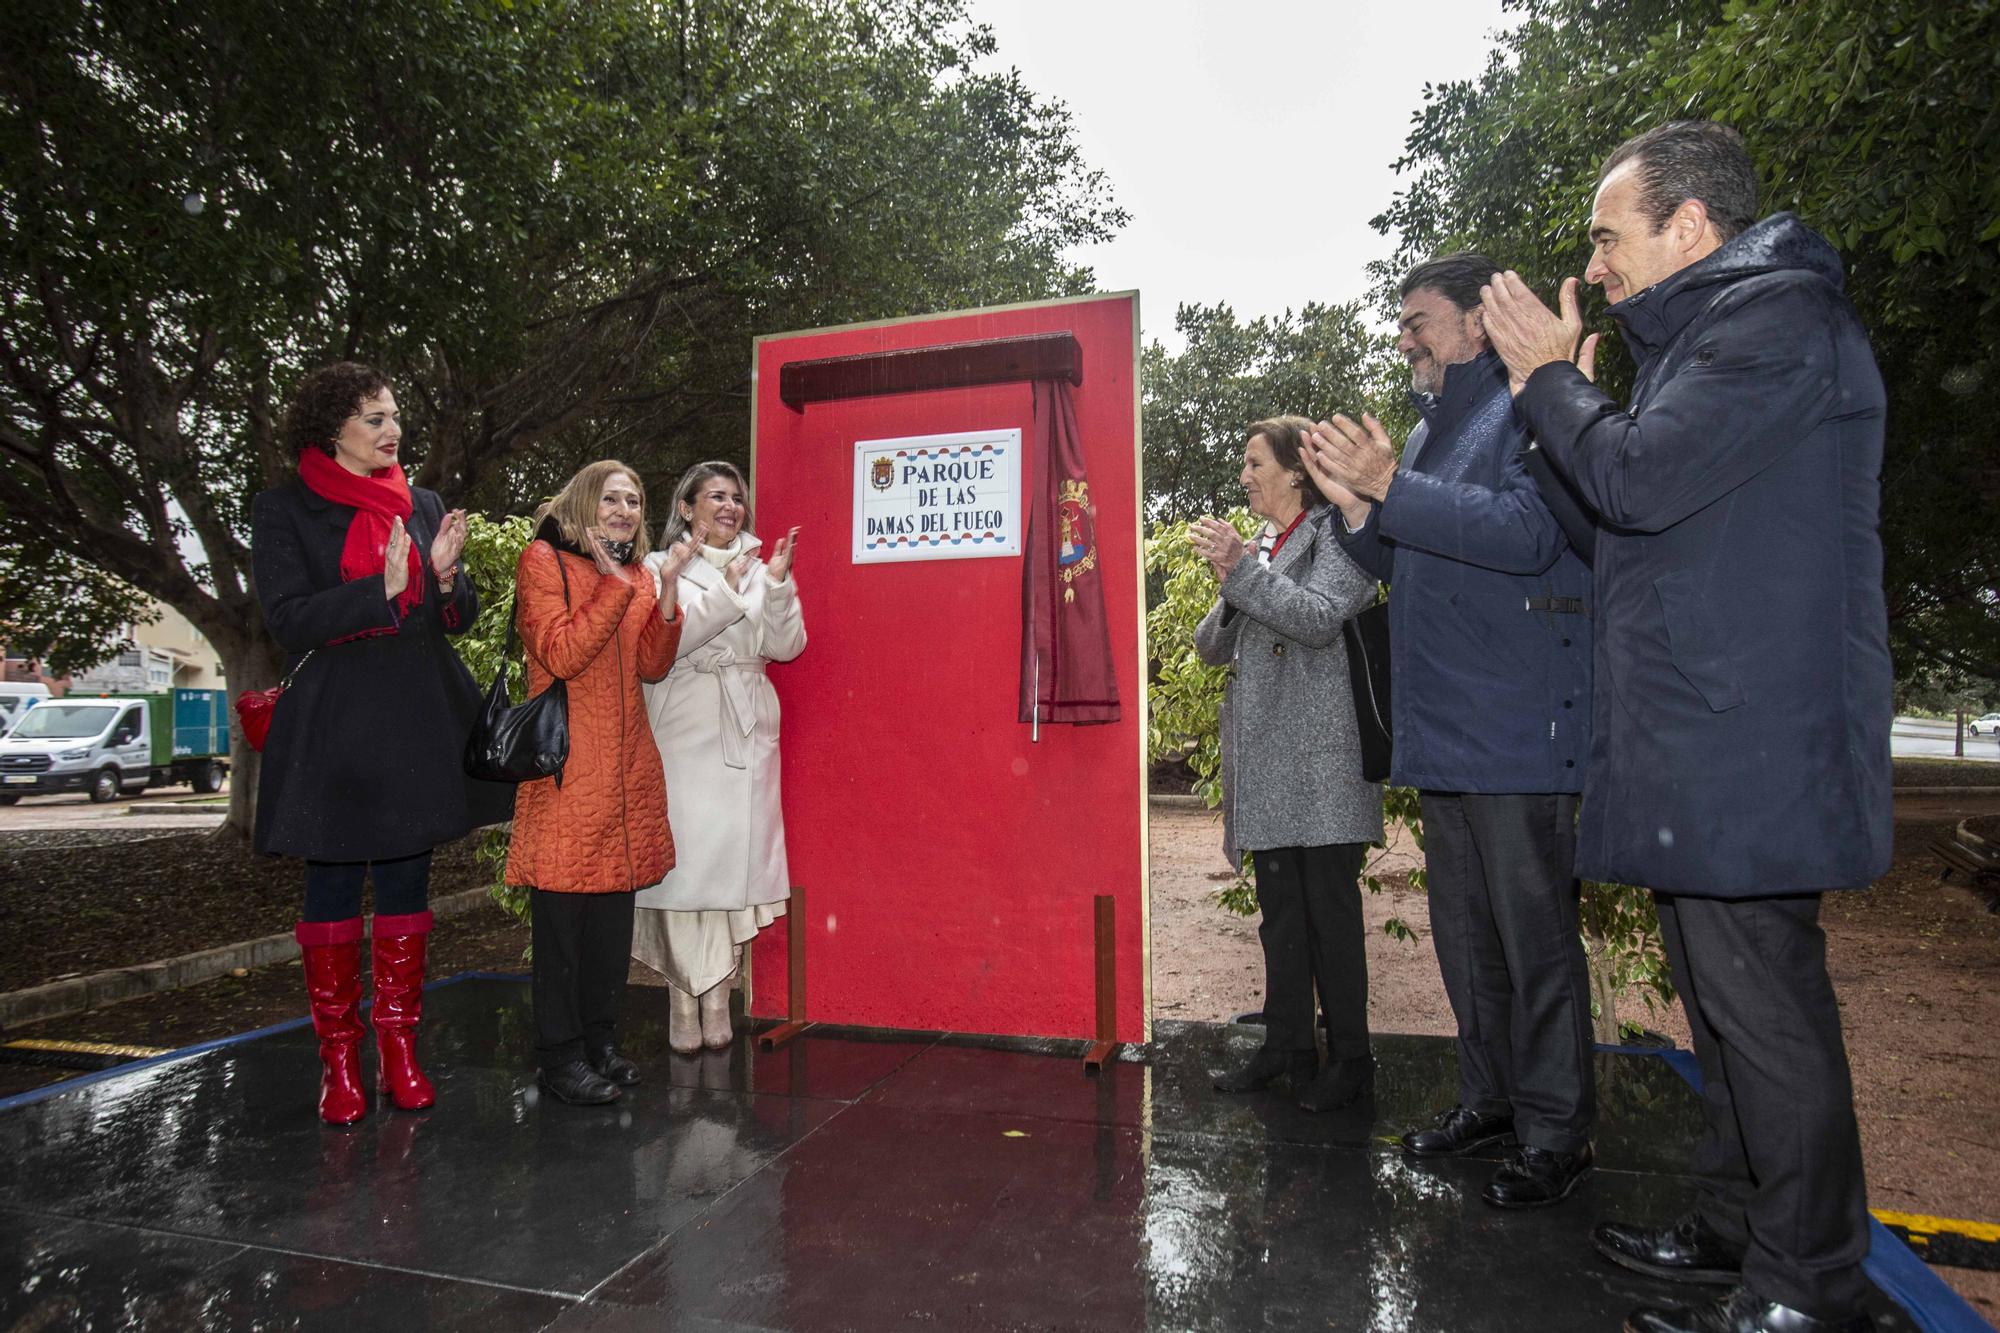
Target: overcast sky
1251	140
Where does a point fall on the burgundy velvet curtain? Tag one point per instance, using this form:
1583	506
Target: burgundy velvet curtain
1066	668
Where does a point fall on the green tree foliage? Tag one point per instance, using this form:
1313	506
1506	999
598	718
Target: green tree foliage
1874	122
556	225
1945	692
1184	697
1197	403
63	610
1620	925
492	551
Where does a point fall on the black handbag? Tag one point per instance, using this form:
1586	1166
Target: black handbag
1367	639
525	741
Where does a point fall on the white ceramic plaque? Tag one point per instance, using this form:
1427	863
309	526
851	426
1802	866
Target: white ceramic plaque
938	497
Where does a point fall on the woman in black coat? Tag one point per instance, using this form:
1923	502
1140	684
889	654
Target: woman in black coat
358	574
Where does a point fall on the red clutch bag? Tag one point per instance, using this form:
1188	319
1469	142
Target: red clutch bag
254	707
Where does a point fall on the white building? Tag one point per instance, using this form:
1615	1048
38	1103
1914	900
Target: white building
163	654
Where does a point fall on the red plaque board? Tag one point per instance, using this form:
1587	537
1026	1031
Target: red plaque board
950	862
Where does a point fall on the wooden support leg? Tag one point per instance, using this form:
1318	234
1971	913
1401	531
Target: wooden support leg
1105	1048
795	964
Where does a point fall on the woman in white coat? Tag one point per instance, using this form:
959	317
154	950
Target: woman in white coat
715	719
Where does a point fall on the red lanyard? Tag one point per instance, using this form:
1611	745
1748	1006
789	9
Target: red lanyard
1279	544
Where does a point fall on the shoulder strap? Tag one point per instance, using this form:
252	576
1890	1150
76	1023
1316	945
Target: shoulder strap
297	667
507	650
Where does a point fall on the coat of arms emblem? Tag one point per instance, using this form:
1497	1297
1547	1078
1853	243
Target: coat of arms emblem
1076	542
882	472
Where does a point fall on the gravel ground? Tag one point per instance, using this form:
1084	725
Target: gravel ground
102	898
44	840
1946	773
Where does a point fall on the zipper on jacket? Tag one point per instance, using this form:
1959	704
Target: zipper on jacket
624	811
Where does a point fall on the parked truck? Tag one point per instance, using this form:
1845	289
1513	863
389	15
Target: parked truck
112	744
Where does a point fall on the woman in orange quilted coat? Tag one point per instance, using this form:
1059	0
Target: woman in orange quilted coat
584	841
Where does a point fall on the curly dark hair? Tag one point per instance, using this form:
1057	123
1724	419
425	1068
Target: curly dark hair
325	399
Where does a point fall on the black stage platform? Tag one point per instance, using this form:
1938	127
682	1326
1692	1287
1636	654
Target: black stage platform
852	1180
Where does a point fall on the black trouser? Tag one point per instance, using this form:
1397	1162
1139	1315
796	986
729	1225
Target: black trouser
1780	1158
583	951
333	888
1503	904
1310	900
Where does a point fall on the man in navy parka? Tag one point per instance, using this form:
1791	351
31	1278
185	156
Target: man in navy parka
1739	761
1489	649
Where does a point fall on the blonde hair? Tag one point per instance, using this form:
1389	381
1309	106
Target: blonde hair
678	523
574	507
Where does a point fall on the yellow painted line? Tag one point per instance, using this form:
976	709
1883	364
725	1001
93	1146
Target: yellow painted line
85	1048
1919	1223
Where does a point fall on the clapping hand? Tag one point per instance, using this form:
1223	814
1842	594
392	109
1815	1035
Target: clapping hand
1527	336
681	554
1346	501
1218	543
1358	461
779	566
672	561
448	546
600	551
396	560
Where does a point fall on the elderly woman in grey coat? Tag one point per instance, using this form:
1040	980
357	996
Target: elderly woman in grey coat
1293	794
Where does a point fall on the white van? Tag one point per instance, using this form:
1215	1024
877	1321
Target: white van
16	698
106	744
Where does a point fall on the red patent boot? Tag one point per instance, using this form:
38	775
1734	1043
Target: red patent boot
399	1003
332	952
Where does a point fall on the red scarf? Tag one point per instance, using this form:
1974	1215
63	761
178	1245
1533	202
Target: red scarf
1286	535
377	498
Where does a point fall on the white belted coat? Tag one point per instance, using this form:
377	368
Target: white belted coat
715	717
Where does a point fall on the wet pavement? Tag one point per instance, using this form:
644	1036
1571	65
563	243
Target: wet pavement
852	1180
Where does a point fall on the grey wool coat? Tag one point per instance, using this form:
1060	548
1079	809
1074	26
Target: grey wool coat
1291	753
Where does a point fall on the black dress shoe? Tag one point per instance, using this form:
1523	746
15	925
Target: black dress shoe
1536	1177
1457	1131
614	1067
578	1084
1739	1312
1340	1083
1267	1067
1687	1251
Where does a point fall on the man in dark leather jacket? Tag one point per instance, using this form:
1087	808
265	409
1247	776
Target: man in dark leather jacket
1739	763
1489	652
